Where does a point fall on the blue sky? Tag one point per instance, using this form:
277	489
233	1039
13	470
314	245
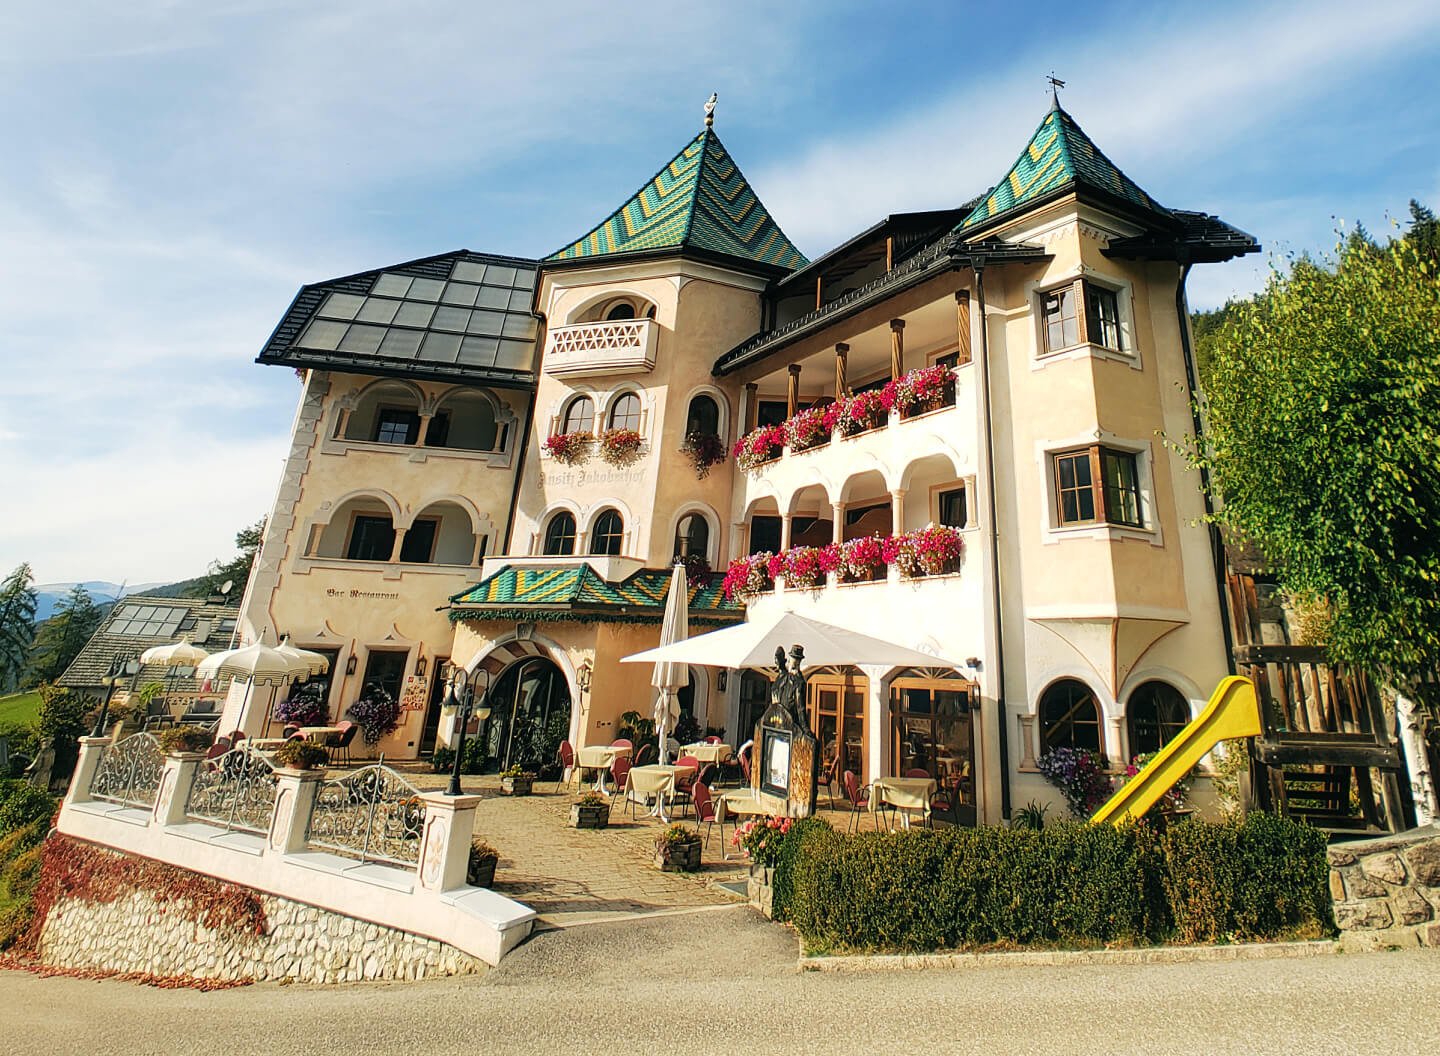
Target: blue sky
175	170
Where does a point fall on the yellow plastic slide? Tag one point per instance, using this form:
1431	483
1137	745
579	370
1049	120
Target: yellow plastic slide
1232	712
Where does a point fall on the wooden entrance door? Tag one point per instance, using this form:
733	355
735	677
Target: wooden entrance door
837	719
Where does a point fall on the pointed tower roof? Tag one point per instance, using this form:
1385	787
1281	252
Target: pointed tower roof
700	200
1060	156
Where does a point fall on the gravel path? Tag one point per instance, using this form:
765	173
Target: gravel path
720	980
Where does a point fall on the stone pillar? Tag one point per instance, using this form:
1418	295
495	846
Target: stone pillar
445	845
897	511
91	750
897	348
479	557
962	327
785	532
423	429
837	515
1115	743
842	359
792	391
877	724
399	542
295	792
739	539
175	784
1027	743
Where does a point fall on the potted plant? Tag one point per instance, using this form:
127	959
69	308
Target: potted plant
862	560
677	849
1080	776
590	811
862	412
301	755
376	711
620	447
704	450
305	706
569	449
759	446
900	551
812	427
937	549
177	739
516	781
480	869
748	576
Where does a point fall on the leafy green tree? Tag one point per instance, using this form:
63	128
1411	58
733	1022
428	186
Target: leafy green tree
236	570
17	625
1324	442
60	638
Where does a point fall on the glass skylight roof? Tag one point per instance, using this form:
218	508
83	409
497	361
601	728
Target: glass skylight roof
149	621
479	317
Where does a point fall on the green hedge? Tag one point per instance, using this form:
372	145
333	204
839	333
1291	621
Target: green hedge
1071	885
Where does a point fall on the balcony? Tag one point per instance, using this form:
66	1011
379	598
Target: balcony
622	346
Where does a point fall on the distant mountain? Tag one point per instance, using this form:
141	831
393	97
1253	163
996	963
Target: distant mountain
49	595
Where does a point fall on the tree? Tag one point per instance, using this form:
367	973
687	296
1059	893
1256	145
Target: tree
60	638
1324	443
17	625
235	571
1424	233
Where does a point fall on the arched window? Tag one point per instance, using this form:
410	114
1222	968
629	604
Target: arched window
1157	712
608	534
579	416
703	416
625	414
1069	717
621	310
560	535
692	537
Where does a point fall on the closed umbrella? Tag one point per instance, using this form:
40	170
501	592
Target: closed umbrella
671	675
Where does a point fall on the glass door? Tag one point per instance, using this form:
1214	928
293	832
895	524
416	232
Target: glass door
933	733
430	732
837	718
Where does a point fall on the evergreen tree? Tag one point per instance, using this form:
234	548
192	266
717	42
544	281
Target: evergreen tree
60	638
1424	233
17	625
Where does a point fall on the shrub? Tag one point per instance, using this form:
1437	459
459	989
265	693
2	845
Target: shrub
785	856
304	707
301	755
24	738
22	803
376	712
184	739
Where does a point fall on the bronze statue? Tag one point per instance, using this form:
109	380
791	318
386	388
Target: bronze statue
789	691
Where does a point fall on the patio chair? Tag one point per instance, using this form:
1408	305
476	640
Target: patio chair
620	774
565	756
648	754
219	748
683	785
623	742
916	771
236	736
712	739
831	778
859	800
744	759
705	813
289	730
339	743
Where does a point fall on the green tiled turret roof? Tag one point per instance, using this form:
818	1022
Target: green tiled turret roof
1059	155
559	592
700	200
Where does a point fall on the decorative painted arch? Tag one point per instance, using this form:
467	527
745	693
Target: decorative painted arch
1107	706
722	403
1187	687
813	479
522	644
328	510
937	448
861	466
608	399
503	413
712	519
350	401
480	523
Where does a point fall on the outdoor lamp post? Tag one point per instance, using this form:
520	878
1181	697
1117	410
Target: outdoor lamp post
120	669
461	695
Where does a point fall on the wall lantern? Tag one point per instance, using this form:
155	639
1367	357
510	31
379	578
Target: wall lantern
421	666
350	665
582	676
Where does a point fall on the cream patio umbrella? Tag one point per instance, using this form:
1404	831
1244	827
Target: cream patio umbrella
252	664
315	663
184	653
670	675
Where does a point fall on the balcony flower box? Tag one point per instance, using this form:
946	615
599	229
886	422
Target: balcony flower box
863	412
920	391
862	560
759	446
620	447
804	567
748	576
812	427
569	449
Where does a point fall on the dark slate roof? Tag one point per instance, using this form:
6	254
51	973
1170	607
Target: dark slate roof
1201	239
1059	157
458	316
699	200
207	625
560	592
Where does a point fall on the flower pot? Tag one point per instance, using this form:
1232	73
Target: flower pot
481	873
678	857
587	816
517	786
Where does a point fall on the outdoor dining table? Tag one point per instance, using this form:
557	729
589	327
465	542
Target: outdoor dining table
905	794
317	734
599	757
265	744
658	780
741	801
706	752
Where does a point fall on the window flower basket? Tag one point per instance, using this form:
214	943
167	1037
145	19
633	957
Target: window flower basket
759	446
899	550
1175	802
590	811
862	560
301	755
305	706
620	447
812	428
480	869
1080	776
376	711
862	412
704	450
517	782
937	549
677	849
748	576
926	389
569	449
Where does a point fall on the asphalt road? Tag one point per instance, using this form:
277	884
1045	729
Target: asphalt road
722	981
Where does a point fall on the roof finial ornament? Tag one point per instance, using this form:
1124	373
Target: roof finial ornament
1055	85
710	110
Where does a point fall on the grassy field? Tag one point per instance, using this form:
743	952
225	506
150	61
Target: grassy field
19	707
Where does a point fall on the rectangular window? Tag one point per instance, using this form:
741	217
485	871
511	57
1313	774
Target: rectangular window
1064	317
1058	319
371	539
949	359
1102	317
770	412
1097	484
394	425
419	542
953	509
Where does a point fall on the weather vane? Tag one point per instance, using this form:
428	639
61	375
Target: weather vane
710	109
1055	85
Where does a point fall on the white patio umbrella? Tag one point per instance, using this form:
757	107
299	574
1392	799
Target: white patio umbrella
174	654
753	645
315	663
671	675
252	664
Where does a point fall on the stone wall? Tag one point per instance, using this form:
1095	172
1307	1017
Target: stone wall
137	933
1387	890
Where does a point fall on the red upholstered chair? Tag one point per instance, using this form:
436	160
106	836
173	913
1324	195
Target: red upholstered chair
705	811
858	798
340	742
622	742
619	773
712	739
647	754
916	771
236	738
219	748
565	756
745	765
685	783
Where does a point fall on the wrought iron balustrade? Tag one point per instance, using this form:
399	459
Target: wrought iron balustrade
129	772
235	791
373	814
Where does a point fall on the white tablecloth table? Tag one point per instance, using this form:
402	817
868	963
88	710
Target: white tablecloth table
905	794
599	757
708	753
658	781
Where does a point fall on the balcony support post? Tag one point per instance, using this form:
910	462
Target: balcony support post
749	405
842	384
399	542
837	514
897	511
792	392
785	532
423	430
962	327
897	348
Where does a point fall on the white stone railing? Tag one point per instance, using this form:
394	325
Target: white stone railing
429	898
625	346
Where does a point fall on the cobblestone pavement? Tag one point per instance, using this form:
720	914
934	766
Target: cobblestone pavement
583	876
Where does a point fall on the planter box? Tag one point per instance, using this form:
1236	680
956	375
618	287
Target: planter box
589	817
482	874
516	786
678	858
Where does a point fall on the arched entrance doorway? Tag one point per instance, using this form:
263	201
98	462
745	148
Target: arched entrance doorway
529	715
